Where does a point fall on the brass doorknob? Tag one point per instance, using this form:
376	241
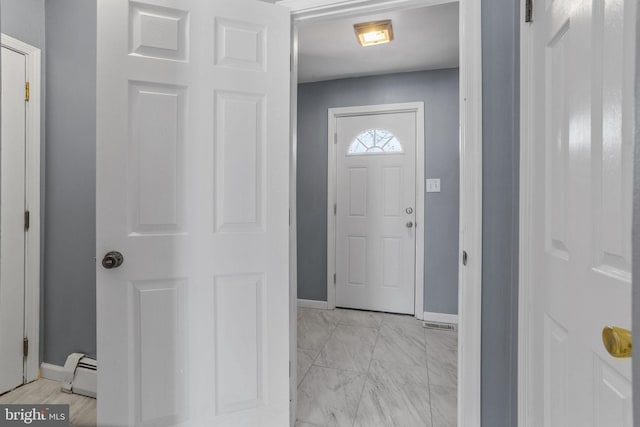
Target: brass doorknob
617	341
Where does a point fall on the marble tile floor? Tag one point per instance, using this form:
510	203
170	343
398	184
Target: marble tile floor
355	368
369	369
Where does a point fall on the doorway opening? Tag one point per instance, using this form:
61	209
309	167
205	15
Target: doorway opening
317	306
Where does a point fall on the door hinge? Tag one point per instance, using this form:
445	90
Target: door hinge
26	91
334	278
528	11
27	220
25	347
335	138
465	257
335	209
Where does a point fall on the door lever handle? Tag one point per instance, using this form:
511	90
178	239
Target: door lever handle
617	341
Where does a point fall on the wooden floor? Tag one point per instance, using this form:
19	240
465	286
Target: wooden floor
82	409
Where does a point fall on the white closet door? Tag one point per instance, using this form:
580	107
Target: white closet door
12	229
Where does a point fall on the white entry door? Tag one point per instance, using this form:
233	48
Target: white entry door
375	212
192	191
12	219
580	236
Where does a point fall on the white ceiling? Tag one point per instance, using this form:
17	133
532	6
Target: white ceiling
424	39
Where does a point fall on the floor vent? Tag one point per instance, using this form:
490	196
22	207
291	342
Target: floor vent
80	375
442	326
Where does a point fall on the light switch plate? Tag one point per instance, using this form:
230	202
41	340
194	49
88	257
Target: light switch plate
433	185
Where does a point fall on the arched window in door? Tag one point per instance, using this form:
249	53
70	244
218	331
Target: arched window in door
375	141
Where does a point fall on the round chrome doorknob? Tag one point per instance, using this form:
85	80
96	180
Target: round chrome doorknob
409	224
113	259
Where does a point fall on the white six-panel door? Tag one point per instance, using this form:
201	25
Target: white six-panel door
192	189
581	172
376	211
12	229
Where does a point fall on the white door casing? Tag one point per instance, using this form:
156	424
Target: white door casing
375	194
576	197
192	188
12	208
416	278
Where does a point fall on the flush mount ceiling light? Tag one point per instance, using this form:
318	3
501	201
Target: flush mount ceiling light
370	33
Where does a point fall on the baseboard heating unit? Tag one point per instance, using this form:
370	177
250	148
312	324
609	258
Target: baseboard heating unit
80	375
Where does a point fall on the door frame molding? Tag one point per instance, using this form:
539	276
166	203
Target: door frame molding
525	284
32	201
332	181
470	226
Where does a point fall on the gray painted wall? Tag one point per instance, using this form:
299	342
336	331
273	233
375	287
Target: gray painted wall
69	268
439	92
24	20
500	89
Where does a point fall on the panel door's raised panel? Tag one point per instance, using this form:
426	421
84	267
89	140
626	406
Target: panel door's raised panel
612	396
612	141
392	262
239	335
240	45
156	156
158	32
357	261
557	145
358	191
392	189
158	333
556	387
239	162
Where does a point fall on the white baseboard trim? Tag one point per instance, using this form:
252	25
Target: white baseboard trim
309	303
52	372
440	318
